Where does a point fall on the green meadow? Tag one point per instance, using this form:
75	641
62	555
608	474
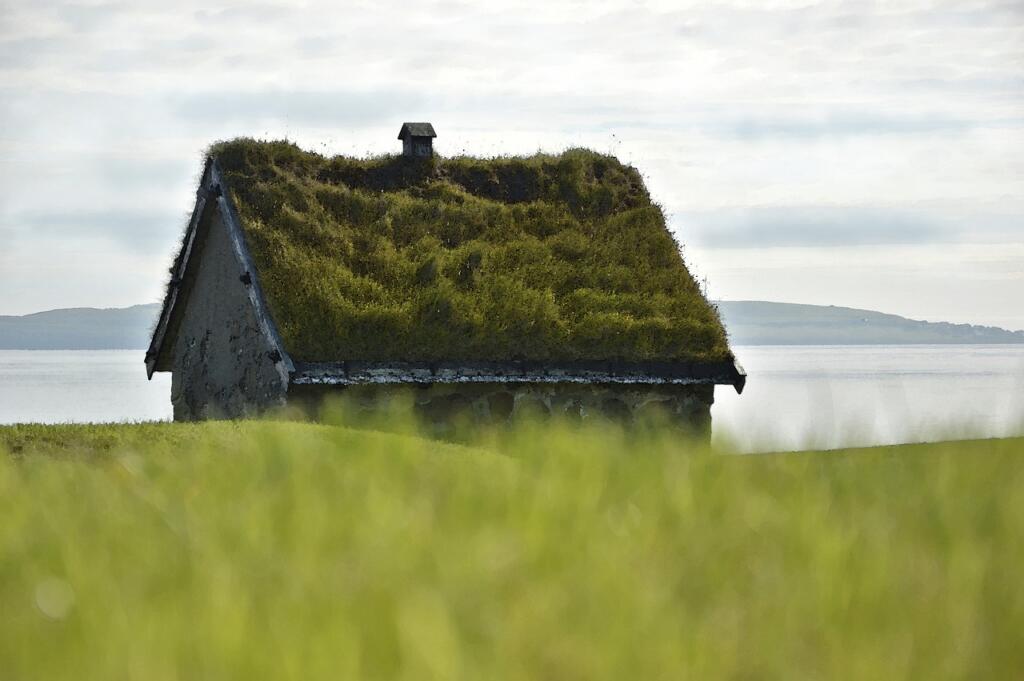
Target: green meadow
287	550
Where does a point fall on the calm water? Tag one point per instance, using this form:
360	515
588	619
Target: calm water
802	397
56	386
796	397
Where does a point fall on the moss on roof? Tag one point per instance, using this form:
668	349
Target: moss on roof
549	257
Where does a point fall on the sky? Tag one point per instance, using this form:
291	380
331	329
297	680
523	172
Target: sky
849	153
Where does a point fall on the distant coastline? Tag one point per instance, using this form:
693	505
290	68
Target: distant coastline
80	328
749	322
755	322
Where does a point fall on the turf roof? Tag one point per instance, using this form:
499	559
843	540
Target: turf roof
540	258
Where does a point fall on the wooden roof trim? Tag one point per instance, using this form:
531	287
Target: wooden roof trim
623	373
212	193
256	297
177	275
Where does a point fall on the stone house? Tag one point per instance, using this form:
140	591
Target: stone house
485	289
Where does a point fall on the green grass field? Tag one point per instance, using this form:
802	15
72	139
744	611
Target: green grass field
298	551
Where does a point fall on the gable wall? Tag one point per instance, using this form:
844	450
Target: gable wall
221	362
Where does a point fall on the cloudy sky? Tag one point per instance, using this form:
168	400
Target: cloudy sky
849	153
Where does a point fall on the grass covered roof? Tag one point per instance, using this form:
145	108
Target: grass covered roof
539	258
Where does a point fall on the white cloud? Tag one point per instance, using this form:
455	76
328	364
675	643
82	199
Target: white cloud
745	117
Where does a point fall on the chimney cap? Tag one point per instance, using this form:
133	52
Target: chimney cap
416	130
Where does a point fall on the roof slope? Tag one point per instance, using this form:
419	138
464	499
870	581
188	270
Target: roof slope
540	258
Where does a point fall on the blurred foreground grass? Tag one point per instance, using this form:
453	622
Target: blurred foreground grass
298	551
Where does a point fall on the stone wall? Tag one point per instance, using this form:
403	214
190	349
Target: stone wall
222	364
443	407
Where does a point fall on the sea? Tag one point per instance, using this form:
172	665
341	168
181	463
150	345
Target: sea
796	397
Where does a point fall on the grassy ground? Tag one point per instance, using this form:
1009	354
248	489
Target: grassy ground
276	550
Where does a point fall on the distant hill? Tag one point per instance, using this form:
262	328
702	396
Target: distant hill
80	328
749	322
752	322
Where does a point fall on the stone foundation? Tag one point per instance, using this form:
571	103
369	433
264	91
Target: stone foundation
443	407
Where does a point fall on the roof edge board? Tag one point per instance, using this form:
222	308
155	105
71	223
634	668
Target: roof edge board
638	373
255	290
180	266
212	193
741	377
